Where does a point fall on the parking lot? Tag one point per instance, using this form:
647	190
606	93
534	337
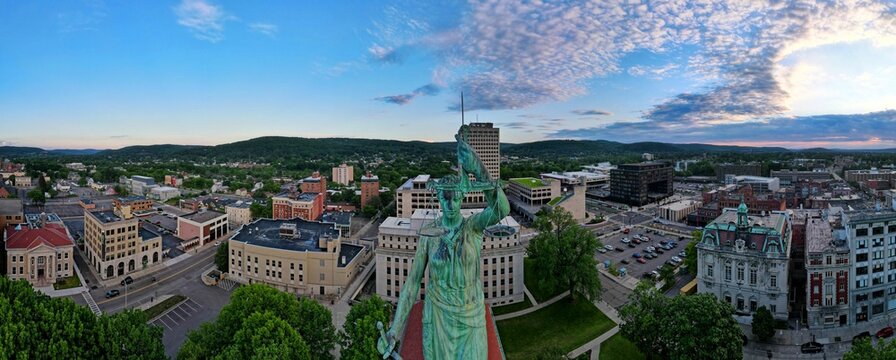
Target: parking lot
178	314
633	268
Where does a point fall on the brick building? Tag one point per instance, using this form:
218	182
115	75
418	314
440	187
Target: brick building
289	205
370	188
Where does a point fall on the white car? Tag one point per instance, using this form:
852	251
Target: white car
650	249
609	247
676	259
602	250
626	240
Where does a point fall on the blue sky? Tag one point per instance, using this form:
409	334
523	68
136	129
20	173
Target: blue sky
98	74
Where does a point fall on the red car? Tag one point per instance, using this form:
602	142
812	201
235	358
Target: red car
642	261
885	332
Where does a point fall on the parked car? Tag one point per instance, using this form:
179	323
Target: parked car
625	261
673	244
659	251
650	256
626	231
609	247
602	250
641	261
626	240
636	241
682	254
619	249
650	249
631	245
811	347
885	332
112	293
127	281
636	255
663	242
676	259
655	274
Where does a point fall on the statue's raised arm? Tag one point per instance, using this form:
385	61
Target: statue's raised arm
470	163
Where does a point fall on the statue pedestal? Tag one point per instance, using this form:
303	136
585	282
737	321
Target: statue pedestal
412	343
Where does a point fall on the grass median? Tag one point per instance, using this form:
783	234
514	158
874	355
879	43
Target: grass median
67	283
562	324
159	308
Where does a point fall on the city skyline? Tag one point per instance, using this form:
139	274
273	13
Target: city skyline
92	74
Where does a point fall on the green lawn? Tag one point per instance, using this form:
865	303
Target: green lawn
561	324
529	182
67	283
539	293
159	308
507	309
618	347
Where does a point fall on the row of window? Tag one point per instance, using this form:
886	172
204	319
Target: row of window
773	279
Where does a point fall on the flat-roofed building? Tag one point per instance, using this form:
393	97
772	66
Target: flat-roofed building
315	184
238	214
743	260
591	180
164	193
760	185
737	169
11	212
40	251
527	196
502	256
641	183
343	174
132	204
295	256
532	191
415	195
201	227
370	188
678	210
341	219
288	205
485	139
788	176
115	246
871	237
23	181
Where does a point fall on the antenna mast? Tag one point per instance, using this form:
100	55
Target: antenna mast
462	122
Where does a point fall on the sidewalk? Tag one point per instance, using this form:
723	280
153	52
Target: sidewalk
594	345
533	308
51	292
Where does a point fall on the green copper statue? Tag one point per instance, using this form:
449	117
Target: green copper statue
454	311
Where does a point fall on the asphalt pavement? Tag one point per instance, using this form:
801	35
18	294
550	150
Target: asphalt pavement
633	268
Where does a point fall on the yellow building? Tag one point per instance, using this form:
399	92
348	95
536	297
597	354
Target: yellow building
296	256
115	246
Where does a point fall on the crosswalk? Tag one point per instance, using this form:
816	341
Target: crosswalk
227	284
91	304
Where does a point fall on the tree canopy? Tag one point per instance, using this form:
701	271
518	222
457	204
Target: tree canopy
690	252
563	254
763	324
222	257
864	350
681	327
35	325
359	333
311	321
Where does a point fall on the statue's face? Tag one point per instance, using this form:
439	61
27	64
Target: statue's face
450	201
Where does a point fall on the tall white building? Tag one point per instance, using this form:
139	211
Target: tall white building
343	174
502	257
485	139
414	195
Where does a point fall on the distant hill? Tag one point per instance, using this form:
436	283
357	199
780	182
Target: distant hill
270	148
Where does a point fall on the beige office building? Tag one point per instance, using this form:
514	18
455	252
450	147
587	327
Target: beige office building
295	256
486	140
343	174
115	246
502	257
679	210
238	214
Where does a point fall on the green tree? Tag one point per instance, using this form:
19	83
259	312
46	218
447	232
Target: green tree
222	256
121	190
864	350
667	274
359	333
682	327
82	181
372	207
59	328
563	255
259	211
763	324
310	320
37	196
266	336
690	252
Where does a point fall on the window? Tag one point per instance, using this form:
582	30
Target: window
753	276
321	276
709	270
877	242
773	280
740	272
861	244
861	232
728	271
861	257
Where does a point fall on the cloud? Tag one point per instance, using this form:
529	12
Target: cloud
86	18
117	136
402	99
510	55
264	29
592	113
204	19
656	72
875	129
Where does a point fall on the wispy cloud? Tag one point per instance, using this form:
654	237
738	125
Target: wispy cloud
85	18
594	112
204	19
402	99
264	28
509	55
876	129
